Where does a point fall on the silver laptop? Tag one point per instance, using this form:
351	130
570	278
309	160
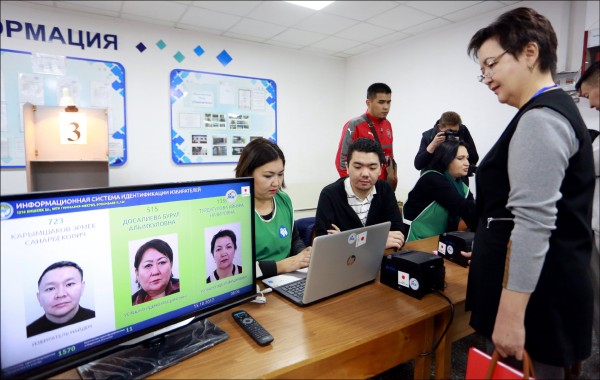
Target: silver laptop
338	263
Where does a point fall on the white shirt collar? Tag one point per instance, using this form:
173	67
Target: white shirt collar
350	192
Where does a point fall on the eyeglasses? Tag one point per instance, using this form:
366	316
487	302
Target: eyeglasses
489	64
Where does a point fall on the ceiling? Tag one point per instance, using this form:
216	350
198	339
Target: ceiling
342	29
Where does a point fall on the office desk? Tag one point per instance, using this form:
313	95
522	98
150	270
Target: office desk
357	334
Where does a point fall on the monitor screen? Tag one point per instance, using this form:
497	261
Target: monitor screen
84	271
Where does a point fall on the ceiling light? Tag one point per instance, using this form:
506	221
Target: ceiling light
316	5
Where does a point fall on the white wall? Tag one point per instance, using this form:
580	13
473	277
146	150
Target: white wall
429	74
309	97
432	74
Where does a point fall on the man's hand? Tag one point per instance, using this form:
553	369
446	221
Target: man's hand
395	240
334	229
439	138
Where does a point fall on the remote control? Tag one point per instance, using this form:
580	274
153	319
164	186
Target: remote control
253	328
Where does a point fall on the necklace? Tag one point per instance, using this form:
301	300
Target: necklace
266	216
543	89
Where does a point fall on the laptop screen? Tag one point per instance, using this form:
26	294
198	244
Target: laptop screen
85	270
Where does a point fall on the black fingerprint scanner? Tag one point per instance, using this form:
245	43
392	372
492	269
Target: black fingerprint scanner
415	273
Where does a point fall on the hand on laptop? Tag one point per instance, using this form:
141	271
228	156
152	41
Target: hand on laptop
292	263
395	240
334	229
467	255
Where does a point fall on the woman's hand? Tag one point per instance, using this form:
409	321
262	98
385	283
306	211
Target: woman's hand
467	255
509	329
395	240
292	263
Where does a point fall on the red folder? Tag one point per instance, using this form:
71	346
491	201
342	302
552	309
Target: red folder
478	363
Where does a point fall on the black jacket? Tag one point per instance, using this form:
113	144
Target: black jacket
434	187
423	157
333	208
558	318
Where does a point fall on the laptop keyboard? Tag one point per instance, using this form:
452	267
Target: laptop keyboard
295	288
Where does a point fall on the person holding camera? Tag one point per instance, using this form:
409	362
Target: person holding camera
448	127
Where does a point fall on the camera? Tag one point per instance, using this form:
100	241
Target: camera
451	135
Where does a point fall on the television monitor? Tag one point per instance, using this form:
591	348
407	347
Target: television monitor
54	319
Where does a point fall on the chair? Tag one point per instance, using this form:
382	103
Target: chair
306	229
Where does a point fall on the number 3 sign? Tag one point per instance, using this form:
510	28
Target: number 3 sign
73	128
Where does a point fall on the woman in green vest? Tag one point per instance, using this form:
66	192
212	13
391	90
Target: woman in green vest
279	247
440	198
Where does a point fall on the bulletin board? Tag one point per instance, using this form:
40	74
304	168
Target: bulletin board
213	116
39	79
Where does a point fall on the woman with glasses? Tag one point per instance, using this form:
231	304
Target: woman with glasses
529	286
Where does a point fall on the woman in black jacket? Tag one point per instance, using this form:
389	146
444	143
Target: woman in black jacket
440	198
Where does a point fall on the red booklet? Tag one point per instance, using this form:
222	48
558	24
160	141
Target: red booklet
478	363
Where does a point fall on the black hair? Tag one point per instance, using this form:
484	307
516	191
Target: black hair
444	154
366	145
257	153
220	234
60	264
514	30
377	88
160	245
592	73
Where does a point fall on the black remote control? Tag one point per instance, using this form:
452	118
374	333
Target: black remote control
253	328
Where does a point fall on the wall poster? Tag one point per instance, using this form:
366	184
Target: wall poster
39	79
213	116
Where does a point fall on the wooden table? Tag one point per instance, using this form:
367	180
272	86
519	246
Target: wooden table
357	334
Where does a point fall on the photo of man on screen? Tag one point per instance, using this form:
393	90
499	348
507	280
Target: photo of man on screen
59	290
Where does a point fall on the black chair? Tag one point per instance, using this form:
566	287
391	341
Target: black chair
306	227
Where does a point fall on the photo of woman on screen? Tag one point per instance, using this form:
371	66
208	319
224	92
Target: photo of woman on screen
223	247
154	272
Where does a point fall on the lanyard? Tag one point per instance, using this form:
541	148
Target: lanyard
543	89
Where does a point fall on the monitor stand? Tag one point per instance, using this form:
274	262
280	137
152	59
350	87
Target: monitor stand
156	354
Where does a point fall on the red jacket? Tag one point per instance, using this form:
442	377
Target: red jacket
358	127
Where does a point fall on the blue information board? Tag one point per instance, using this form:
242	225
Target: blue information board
39	79
213	116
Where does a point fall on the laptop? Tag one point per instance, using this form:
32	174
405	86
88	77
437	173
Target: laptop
338	263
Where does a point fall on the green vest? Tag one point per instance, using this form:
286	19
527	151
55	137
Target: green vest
273	238
433	220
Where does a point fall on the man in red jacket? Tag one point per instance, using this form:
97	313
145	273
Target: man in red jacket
379	99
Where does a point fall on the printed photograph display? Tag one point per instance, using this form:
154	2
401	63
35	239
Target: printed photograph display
213	116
